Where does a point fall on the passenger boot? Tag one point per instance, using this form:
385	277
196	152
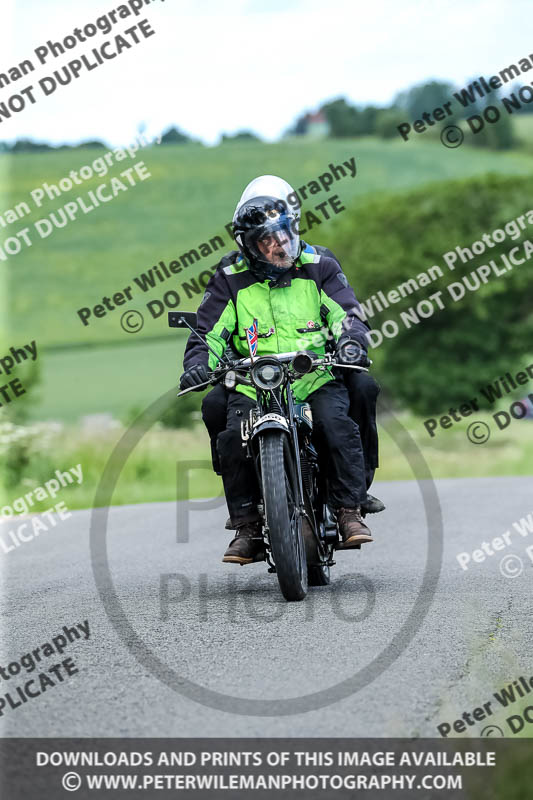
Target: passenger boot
247	546
372	505
352	529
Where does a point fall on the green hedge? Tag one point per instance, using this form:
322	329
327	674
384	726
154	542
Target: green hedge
444	359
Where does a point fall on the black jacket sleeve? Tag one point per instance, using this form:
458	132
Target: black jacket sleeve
341	308
216	319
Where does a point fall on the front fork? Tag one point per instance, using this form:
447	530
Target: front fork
250	440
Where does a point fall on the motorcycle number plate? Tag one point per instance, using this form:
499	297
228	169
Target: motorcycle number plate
272	418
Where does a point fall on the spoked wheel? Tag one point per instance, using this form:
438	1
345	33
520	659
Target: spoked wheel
282	515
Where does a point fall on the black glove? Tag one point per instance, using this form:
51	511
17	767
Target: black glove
349	351
194	376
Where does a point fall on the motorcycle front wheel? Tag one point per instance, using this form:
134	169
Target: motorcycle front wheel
282	514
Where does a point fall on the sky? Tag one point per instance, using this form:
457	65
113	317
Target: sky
227	65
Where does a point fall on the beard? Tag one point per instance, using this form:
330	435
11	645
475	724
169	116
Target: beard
280	258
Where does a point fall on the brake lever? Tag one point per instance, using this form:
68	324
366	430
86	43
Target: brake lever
194	388
349	366
213	379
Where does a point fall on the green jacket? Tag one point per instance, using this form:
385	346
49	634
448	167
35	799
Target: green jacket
300	311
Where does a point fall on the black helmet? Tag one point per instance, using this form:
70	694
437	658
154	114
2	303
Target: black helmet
265	229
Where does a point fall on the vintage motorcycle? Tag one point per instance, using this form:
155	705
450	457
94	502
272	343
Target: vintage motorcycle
299	529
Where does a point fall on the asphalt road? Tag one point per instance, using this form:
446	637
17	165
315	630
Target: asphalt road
227	628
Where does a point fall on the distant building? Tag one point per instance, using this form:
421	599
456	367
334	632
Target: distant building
317	126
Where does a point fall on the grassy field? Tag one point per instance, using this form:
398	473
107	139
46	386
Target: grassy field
523	126
188	199
149	473
107	380
102	370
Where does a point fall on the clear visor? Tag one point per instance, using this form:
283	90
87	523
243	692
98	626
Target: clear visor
278	246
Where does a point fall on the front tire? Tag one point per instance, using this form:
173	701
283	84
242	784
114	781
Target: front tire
282	515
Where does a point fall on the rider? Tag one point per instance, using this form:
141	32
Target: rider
362	388
291	290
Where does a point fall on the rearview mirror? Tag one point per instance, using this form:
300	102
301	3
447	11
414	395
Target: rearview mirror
182	319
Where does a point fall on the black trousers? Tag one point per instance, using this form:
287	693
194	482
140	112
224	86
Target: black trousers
337	439
362	390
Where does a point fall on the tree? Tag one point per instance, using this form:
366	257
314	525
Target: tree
342	118
425	97
388	121
367	120
174	135
300	126
240	136
91	143
441	360
497	135
28	145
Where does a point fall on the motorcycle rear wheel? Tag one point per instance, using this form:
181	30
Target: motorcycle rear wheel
318	575
317	570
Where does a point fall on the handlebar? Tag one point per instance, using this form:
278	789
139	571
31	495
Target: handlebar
243	364
326	360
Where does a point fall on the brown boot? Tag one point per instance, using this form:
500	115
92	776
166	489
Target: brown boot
247	546
353	530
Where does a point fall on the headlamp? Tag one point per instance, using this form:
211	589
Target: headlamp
267	374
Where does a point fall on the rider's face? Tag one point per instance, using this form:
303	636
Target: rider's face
273	248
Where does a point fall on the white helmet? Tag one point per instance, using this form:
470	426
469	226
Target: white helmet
267	215
271	186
